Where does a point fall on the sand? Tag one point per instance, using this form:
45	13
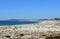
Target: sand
30	31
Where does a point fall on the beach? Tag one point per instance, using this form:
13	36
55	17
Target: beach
31	31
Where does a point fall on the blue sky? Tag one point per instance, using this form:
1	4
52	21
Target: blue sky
29	9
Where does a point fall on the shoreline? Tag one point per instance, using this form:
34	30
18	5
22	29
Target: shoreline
30	31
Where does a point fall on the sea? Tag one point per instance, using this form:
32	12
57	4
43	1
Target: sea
2	23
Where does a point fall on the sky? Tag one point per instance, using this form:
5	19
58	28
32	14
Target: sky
29	9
